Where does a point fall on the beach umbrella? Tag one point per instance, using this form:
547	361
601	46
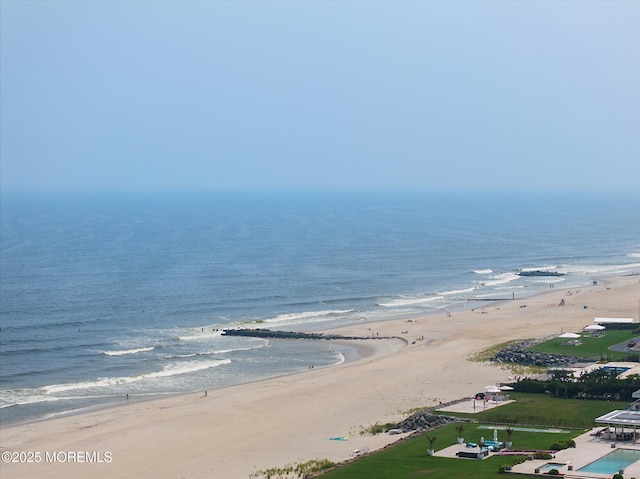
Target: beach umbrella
506	388
569	335
492	389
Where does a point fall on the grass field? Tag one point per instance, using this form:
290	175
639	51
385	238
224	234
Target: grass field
409	459
591	348
543	410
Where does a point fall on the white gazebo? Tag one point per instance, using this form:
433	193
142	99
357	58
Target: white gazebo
594	330
573	338
569	336
595	327
494	393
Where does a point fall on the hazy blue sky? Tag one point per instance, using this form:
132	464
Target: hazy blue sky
320	95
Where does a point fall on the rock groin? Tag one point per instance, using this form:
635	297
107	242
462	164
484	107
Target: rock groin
519	354
268	333
424	420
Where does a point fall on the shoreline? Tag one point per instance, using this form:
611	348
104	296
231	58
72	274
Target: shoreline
272	422
351	350
79	405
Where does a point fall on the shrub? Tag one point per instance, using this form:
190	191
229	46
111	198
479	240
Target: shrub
519	460
557	446
542	455
554	472
618	476
502	469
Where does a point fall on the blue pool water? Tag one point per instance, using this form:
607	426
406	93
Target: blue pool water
613	462
551	465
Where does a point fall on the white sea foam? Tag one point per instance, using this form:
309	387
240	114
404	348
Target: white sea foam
591	269
184	368
127	351
456	291
200	335
262	344
102	382
409	301
34	396
539	268
306	315
501	278
341	358
233	350
168	370
483	271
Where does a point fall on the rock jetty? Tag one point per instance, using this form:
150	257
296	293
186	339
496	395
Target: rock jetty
538	272
268	333
424	420
519	354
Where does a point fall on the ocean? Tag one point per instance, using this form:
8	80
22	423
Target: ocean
105	296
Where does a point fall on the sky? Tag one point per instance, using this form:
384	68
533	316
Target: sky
313	95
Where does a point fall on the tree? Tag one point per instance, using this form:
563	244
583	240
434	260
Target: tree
509	432
432	440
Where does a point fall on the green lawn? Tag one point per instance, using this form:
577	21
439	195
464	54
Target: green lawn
591	348
409	459
543	410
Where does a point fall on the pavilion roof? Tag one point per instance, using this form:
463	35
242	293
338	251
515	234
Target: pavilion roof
621	417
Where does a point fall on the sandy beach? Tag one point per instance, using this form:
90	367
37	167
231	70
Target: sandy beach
235	431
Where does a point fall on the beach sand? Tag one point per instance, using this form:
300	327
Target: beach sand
271	423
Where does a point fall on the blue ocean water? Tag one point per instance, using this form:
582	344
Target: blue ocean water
104	295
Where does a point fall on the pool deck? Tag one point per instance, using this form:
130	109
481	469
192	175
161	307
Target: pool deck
588	449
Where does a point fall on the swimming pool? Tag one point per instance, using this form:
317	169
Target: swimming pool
613	462
551	465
